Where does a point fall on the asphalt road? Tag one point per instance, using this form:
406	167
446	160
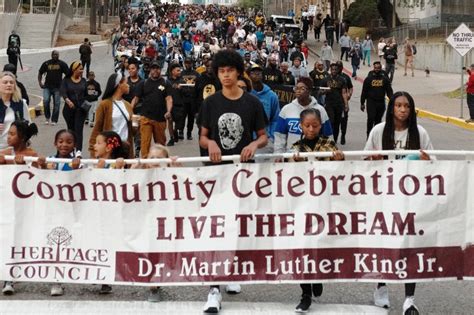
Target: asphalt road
453	297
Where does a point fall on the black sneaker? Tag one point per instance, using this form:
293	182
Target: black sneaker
105	289
343	140
180	135
170	143
317	289
190	137
304	305
86	122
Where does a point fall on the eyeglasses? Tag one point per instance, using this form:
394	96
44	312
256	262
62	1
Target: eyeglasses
300	88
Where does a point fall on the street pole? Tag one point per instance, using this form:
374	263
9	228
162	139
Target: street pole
462	86
394	15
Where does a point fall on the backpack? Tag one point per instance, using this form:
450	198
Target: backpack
413	48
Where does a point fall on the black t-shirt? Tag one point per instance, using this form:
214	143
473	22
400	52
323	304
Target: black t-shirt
334	96
153	94
76	92
54	70
176	90
348	80
132	89
318	77
232	123
189	92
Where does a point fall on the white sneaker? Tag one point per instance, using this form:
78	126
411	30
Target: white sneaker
53	123
409	307
381	297
233	288
8	288
46	122
57	290
214	299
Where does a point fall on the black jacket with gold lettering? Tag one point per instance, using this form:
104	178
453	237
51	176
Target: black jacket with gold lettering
375	87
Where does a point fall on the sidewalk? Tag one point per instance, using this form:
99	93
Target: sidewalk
427	91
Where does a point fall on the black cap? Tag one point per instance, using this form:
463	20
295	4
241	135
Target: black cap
155	64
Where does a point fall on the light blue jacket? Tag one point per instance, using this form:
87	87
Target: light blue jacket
271	105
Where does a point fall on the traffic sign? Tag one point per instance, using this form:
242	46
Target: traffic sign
461	39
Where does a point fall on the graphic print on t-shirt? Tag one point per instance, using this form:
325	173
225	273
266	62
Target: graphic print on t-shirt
230	130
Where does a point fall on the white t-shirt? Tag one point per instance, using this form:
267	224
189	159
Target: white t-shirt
8	120
119	123
374	142
380	48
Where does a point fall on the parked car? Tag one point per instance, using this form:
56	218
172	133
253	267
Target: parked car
287	25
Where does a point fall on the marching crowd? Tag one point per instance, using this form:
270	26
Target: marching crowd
217	68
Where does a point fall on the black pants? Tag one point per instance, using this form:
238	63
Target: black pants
87	66
470	104
375	111
312	288
179	116
305	34
317	33
335	116
345	50
75	118
344	121
13	59
409	288
390	69
190	109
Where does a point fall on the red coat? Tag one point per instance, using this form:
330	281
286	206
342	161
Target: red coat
470	83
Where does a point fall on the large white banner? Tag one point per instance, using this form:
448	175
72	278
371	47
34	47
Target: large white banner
287	222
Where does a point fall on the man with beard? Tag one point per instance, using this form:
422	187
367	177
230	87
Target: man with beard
54	69
157	104
271	74
376	87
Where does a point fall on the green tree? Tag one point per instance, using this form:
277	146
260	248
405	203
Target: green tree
362	13
257	4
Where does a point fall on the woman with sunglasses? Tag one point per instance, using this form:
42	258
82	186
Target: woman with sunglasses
73	91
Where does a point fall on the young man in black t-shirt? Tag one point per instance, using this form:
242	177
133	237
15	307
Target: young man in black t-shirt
157	104
229	120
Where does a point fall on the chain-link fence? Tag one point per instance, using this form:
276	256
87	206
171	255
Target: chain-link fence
425	31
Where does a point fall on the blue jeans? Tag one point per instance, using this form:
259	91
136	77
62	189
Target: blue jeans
354	70
47	93
367	55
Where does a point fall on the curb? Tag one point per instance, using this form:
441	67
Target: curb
458	122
